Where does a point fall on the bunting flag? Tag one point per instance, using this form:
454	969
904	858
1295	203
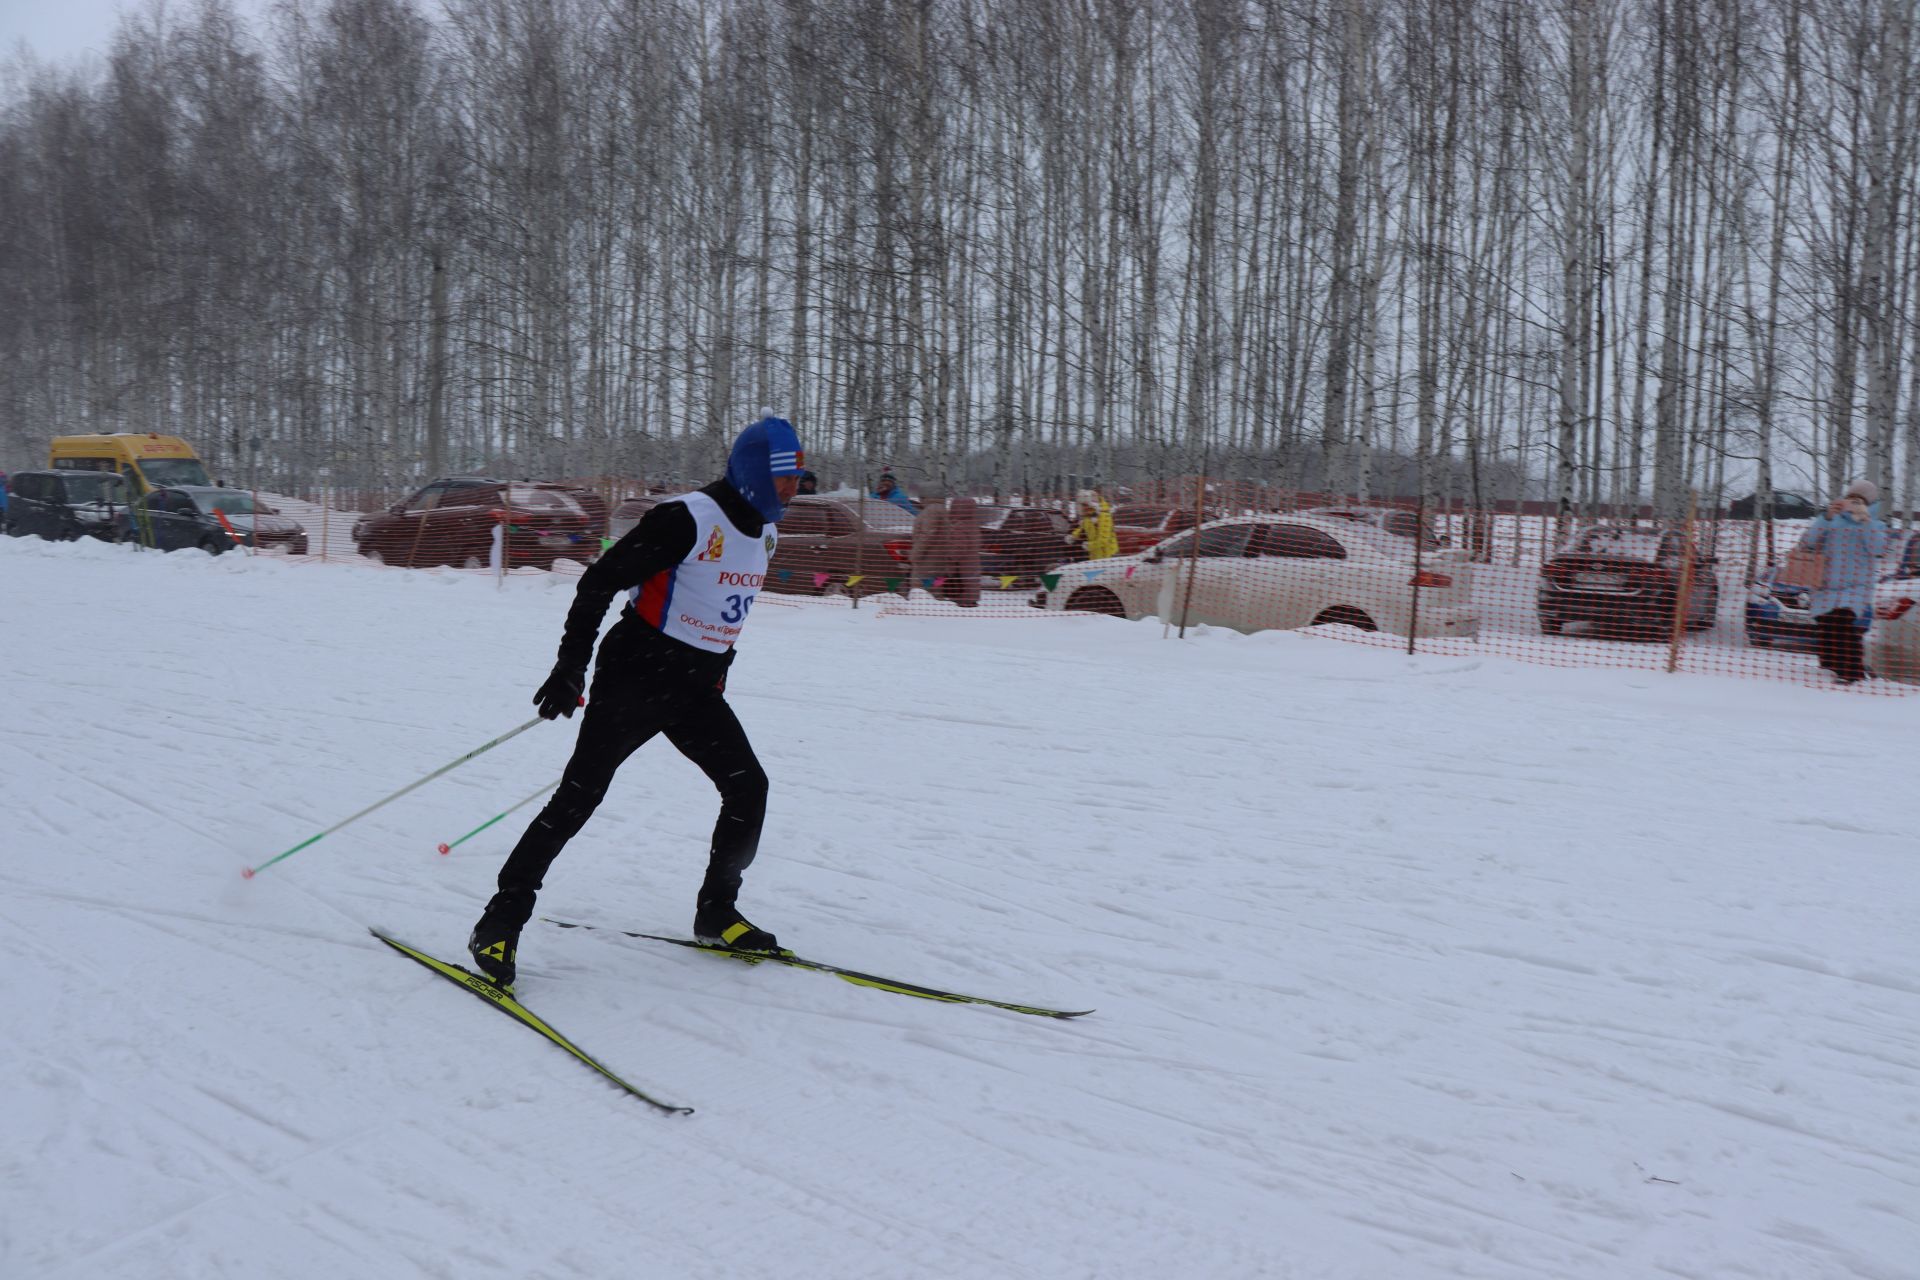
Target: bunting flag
785	574
1049	580
821	579
1006	581
893	585
1131	568
604	544
856	579
1094	573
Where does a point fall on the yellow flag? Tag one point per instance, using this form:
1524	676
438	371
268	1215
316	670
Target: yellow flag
856	579
1006	581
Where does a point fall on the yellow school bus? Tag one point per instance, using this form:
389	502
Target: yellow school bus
147	461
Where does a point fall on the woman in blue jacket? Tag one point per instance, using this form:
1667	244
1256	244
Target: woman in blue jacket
1852	538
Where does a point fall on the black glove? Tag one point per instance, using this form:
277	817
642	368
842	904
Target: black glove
560	695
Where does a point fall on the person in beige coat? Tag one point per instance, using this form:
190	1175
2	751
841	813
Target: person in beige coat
946	549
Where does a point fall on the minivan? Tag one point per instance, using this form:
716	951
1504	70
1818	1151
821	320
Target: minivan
147	461
63	505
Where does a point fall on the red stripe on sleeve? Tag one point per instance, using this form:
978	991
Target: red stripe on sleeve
654	593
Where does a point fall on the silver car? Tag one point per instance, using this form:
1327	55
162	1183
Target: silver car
1893	640
1258	573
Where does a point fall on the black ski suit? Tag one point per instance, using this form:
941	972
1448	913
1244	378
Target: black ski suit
646	683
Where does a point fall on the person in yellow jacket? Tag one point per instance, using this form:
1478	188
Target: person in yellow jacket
1096	526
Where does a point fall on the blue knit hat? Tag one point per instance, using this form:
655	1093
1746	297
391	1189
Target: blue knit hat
768	448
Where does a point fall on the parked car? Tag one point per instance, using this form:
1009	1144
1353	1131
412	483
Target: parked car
1139	525
1255	573
190	516
1626	578
627	512
1893	641
452	521
1777	614
1395	520
1786	506
826	541
1023	543
63	505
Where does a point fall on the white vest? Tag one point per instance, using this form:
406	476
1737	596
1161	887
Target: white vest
703	600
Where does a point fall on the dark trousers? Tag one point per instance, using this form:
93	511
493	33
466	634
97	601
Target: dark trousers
1838	639
622	716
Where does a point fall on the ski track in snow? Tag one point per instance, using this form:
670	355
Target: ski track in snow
1405	967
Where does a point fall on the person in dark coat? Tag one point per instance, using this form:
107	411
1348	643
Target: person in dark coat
889	490
691	569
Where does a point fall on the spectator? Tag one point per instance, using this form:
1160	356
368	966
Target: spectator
1096	526
809	483
946	550
887	490
3	500
1852	538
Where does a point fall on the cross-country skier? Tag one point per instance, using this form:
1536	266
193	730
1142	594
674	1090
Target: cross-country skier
692	567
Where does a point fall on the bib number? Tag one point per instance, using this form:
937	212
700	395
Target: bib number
737	607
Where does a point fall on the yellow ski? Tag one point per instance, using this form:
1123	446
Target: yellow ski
858	979
502	999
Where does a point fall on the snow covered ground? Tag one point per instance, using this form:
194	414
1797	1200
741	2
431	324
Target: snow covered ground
1405	967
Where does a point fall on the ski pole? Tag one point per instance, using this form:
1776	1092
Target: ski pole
448	847
250	872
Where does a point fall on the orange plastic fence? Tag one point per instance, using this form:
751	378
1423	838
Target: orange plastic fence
1723	597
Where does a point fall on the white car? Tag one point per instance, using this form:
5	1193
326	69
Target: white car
1258	573
1893	641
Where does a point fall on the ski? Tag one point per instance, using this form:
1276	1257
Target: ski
502	999
854	976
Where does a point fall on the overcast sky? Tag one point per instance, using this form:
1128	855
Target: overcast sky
58	30
66	30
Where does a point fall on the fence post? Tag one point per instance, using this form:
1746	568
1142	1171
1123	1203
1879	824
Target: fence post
860	544
502	532
1193	555
1419	564
1682	597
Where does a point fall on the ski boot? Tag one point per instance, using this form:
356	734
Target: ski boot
493	944
722	925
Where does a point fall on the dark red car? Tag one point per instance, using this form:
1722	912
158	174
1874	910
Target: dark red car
826	541
1138	526
1395	520
629	510
452	521
1623	579
1024	542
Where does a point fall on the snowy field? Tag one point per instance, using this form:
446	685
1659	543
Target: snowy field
1416	967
